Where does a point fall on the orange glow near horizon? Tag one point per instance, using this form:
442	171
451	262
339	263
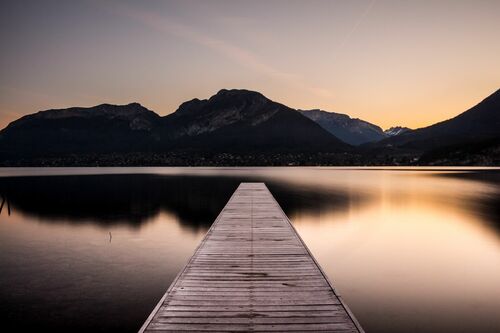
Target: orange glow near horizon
390	63
414	114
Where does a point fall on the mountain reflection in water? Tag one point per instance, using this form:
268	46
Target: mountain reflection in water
134	199
93	249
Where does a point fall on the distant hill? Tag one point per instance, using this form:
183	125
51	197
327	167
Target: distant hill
479	123
230	121
101	128
350	130
396	130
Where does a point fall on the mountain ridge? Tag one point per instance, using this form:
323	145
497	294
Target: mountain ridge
242	127
354	131
231	120
238	118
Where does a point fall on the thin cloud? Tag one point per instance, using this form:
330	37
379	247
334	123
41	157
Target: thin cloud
235	53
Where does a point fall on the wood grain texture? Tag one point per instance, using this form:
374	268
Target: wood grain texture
251	273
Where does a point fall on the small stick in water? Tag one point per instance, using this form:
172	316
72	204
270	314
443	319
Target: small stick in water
3	202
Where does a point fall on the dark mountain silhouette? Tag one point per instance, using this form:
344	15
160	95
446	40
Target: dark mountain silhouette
479	123
350	130
242	127
242	120
101	128
231	120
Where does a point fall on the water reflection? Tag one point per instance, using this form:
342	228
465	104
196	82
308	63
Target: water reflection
411	250
488	203
134	199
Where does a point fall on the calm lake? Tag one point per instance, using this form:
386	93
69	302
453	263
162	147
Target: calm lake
94	249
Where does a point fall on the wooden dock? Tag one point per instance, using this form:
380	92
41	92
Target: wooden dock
251	273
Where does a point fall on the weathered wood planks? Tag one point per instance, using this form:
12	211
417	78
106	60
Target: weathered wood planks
252	272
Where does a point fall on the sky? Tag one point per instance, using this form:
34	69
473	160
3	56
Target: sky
409	63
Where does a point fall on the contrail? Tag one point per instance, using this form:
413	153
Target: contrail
239	55
355	26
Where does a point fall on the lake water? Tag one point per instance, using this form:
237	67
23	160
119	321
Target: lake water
94	249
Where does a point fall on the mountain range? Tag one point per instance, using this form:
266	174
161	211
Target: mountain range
350	130
243	127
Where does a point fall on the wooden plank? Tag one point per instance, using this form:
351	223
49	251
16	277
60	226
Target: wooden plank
251	272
